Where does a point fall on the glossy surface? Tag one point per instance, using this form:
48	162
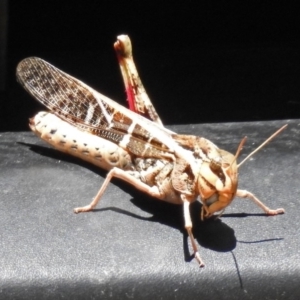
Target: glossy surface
136	246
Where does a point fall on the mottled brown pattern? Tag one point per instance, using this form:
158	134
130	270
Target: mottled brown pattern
216	168
61	93
74	102
111	135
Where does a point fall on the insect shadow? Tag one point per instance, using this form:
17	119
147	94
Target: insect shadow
212	233
57	155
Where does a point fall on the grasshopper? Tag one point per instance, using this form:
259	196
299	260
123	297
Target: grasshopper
132	144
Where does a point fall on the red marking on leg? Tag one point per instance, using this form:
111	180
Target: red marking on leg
131	98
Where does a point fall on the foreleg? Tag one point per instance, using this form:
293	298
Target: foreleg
188	226
267	210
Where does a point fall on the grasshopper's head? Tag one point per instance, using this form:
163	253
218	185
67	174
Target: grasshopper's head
217	183
218	178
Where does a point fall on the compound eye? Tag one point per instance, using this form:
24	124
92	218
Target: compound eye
215	164
216	167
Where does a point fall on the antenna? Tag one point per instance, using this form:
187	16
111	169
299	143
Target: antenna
263	144
239	149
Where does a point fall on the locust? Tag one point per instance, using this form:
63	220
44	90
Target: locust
133	144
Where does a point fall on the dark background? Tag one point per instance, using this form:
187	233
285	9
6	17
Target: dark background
204	61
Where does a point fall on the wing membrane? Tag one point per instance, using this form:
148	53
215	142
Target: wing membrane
61	93
83	107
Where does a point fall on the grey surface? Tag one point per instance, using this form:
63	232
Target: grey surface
135	247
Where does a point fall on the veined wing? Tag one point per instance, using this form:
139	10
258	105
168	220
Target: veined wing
88	110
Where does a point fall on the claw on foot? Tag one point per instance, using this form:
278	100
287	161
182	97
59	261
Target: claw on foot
86	208
274	212
199	260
